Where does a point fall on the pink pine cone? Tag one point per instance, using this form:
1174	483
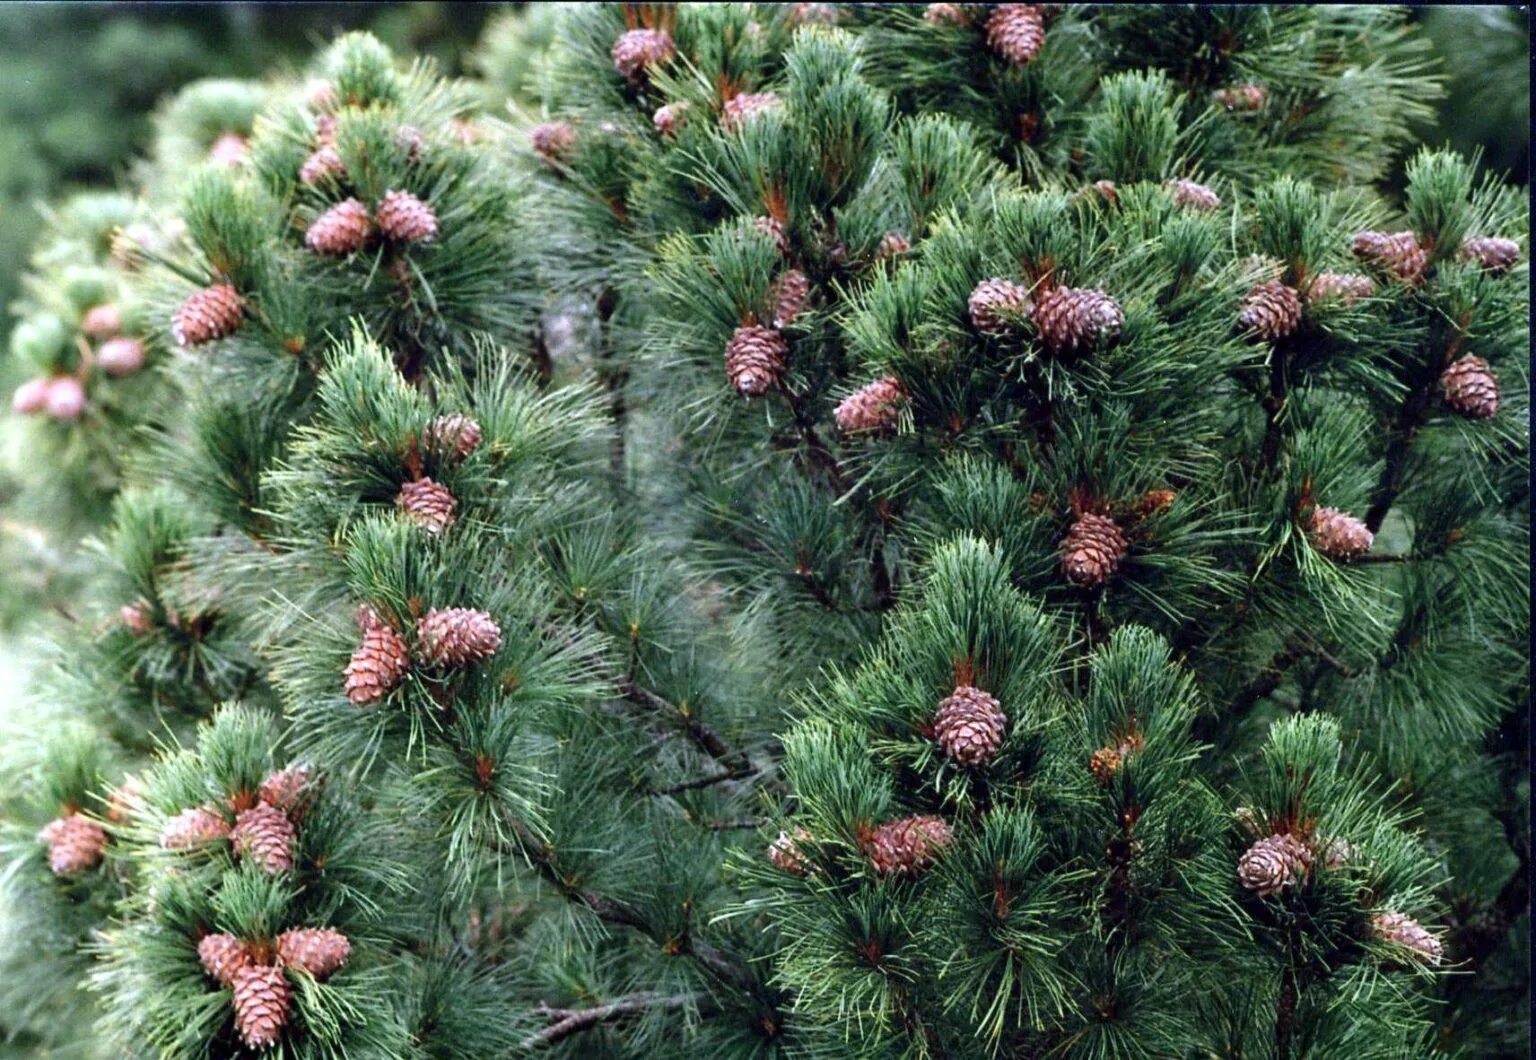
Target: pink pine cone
191	828
120	357
872	407
318	951
266	836
907	845
404	218
75	844
65	399
341	230
285	789
457	636
324	163
222	956
637	50
30	397
102	321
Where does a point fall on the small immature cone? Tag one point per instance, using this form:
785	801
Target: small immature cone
65	400
786	855
377	666
997	306
193	828
802	14
1154	501
1271	311
1491	252
1471	388
324	163
206	315
265	835
457	636
755	359
30	397
1338	535
1194	196
907	845
285	789
319	94
404	218
1016	31
789	292
1071	319
743	106
1092	550
1105	763
75	843
871	408
102	321
428	504
1346	288
1241	97
262	1000
138	617
454	433
120	357
553	141
774	230
669	116
408	138
1272	864
639	49
1399	253
947	14
318	951
1106	189
222	956
343	229
970	725
126	801
1407	932
1334	853
892	245
229	150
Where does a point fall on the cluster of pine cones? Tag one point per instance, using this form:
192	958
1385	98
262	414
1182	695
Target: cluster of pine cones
256	973
263	829
446	639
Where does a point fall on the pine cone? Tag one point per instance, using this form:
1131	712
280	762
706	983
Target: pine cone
404	218
408	138
138	617
1092	550
1345	287
1271	311
739	108
209	314
554	142
30	397
970	725
320	94
427	504
1015	32
638	49
229	150
892	245
75	843
907	845
120	357
1152	502
324	162
318	951
262	1000
1194	196
457	636
790	290
264	834
785	852
1241	97
1491	252
1105	763
870	408
1396	252
755	359
1073	318
455	432
192	828
1471	388
325	130
126	801
377	666
222	956
997	306
822	14
102	321
1338	535
285	789
668	118
1407	932
64	400
774	230
1273	863
1106	189
947	14
343	229
1334	853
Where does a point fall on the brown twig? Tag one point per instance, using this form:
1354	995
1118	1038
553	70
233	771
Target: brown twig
568	1021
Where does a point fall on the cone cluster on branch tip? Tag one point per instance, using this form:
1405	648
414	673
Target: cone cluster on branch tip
1195	196
194	827
553	141
230	150
786	854
743	106
1015	32
211	313
456	636
755	359
262	999
892	245
669	116
121	356
871	408
378	665
1107	761
907	845
323	163
1337	534
1271	311
222	956
1346	288
454	433
997	306
1071	319
1408	933
264	834
637	50
774	230
430	505
969	726
1471	388
947	14
404	218
1092	550
61	398
286	789
790	290
75	843
1399	253
1493	253
1241	97
1273	864
341	230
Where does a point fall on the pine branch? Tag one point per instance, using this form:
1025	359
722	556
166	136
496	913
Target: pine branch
573	1021
700	733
